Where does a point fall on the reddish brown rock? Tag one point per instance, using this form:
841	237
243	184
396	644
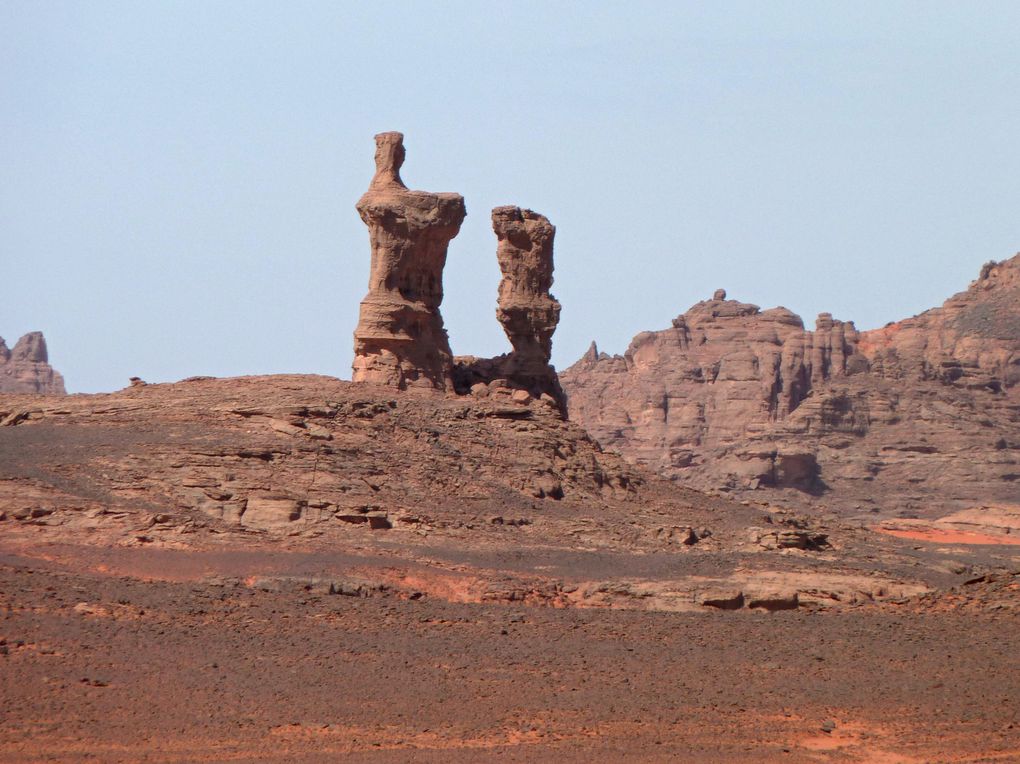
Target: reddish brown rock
528	312
921	416
972	341
400	339
26	368
526	309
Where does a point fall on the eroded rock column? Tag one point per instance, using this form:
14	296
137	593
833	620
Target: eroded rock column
528	312
400	339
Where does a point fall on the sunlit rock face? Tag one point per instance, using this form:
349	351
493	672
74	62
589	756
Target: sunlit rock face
526	309
400	339
917	415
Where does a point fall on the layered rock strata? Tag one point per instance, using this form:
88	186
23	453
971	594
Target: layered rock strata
400	339
26	368
921	414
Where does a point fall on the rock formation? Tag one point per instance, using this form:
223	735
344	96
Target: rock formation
400	339
528	312
920	414
26	368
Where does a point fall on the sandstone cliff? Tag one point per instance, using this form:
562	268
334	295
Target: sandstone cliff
919	416
26	368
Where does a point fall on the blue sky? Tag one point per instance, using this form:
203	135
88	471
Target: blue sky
178	180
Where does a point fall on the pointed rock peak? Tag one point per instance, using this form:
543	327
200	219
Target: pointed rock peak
592	354
26	368
31	348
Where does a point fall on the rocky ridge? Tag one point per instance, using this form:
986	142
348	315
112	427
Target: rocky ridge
26	368
416	491
919	417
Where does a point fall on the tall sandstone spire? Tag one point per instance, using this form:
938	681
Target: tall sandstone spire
400	339
526	309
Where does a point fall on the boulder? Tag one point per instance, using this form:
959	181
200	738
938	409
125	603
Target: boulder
773	600
722	599
271	511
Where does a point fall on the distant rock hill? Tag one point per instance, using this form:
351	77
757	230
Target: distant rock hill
918	417
26	368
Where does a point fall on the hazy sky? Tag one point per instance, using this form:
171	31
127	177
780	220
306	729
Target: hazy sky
178	180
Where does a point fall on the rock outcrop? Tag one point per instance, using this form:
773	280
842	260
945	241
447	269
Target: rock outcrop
26	368
921	415
526	309
400	340
528	312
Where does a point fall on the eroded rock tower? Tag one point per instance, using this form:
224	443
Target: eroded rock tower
400	339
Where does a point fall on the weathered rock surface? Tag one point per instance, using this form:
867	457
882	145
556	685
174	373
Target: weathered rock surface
526	309
400	339
414	484
921	416
26	368
290	452
528	312
207	532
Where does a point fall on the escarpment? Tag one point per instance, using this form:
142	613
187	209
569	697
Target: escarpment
920	415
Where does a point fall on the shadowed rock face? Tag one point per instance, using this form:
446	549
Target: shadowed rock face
26	368
400	340
526	310
919	415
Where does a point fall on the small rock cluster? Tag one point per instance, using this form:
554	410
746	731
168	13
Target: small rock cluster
734	599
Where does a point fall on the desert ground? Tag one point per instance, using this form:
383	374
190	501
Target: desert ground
218	570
